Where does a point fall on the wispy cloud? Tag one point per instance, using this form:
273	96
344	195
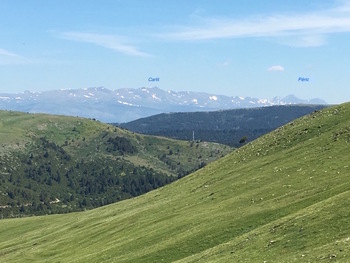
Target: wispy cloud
6	53
276	68
115	43
315	24
225	63
10	58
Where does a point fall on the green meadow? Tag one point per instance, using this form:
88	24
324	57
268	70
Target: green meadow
284	197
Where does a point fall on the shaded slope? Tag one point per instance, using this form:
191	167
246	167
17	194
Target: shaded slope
281	198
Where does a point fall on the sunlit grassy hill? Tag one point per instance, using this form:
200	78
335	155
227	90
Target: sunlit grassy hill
282	198
56	164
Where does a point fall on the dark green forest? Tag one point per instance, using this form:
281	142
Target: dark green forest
48	180
226	126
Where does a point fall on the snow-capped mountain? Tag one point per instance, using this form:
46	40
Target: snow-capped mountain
124	105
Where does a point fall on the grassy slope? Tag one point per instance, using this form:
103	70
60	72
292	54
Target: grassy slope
18	130
282	198
85	141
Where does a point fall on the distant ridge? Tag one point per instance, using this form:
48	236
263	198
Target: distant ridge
224	126
124	105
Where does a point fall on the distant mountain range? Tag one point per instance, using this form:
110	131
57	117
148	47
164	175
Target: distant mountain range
124	105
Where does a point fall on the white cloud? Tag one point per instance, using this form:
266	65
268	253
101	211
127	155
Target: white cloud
108	41
276	68
6	53
225	63
10	58
310	28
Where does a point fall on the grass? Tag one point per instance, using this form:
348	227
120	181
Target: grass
281	198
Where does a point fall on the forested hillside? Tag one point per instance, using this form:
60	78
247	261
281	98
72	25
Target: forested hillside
230	127
55	164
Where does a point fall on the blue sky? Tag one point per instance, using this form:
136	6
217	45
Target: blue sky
245	48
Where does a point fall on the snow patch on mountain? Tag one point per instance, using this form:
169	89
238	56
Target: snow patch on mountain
154	96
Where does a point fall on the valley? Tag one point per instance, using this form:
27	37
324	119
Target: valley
283	197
